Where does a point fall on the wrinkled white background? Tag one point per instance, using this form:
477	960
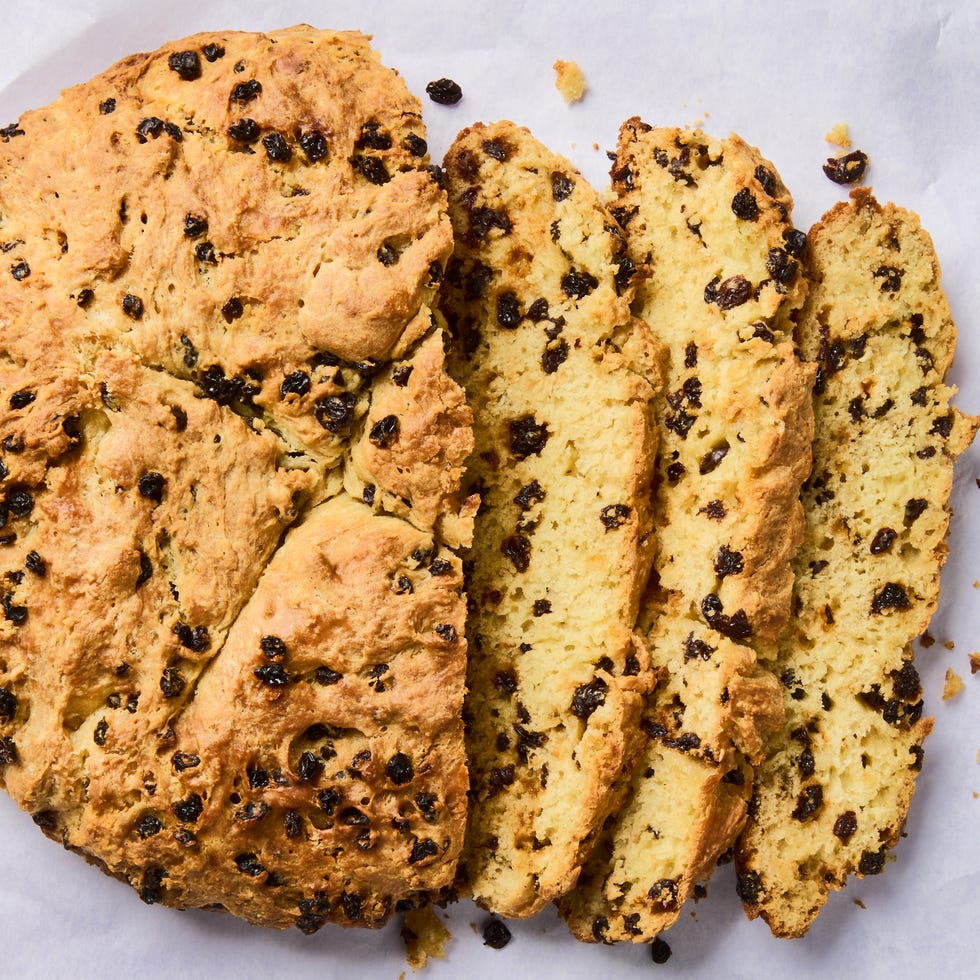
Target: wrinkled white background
904	76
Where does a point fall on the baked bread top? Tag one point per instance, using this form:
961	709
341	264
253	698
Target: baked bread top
230	461
557	374
834	792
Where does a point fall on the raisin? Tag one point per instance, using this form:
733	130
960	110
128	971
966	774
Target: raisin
185	760
728	562
194	225
149	826
891	282
709	462
914	509
615	515
554	357
587	698
296	383
273	647
172	682
257	777
186	64
196	639
249	864
528	495
496	935
21	399
890	596
374	137
244	131
845	825
399	769
538	311
423	849
496	149
808	802
749	887
150	126
577	284
733	292
415	145
385	432
292	823
335	412
691	355
528	437
8	703
872	862
272	674
847	169
444	91
446	632
309	767
660	950
695	649
745	206
735	627
372	168
767	179
212	52
508	311
780	266
517	548
204	252
561	186
107	106
187	811
132	306
314	145
276	148
942	427
151	486
795	242
100	733
151	891
245	92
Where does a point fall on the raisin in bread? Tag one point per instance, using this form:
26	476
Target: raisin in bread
833	794
230	458
538	300
712	220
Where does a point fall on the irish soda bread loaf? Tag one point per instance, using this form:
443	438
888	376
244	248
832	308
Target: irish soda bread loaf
833	794
227	679
538	300
712	220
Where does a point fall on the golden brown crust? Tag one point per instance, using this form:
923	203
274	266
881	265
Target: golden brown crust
711	219
539	305
834	792
222	256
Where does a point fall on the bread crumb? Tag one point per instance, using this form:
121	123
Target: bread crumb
595	146
974	662
425	937
949	645
860	904
976	584
569	81
954	684
839	136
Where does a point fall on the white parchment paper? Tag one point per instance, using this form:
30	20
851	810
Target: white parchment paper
904	76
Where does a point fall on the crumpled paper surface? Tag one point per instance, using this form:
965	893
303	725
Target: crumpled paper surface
904	76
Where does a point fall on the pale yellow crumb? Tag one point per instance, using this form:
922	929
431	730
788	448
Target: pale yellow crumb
839	136
950	645
425	937
978	760
954	684
569	80
595	146
974	662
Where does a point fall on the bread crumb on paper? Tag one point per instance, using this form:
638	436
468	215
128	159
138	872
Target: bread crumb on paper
927	640
953	685
425	937
840	136
569	80
974	662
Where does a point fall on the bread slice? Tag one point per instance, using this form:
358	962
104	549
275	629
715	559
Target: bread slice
833	794
230	459
712	220
538	302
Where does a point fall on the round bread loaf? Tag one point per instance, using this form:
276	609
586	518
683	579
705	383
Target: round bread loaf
230	473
